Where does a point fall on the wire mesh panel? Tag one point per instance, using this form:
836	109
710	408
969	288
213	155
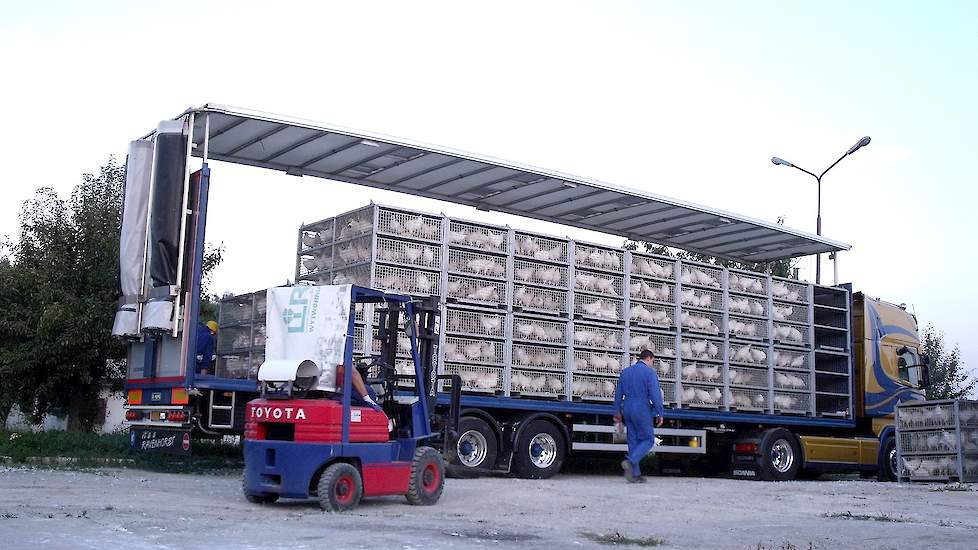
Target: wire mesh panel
476	291
316	261
786	359
471	350
702	396
258	334
538	357
353	224
484	324
532	329
665	367
652	316
700	349
537	273
746	354
929	441
351	252
795	336
699	321
652	267
707	373
598	337
598	257
790	313
700	275
543	300
482	237
668	388
738	281
408	225
475	378
747	328
744	399
791	403
788	291
539	384
316	234
476	263
600	309
592	362
968	411
662	345
789	380
407	253
746	305
541	248
593	388
652	292
236	309
407	281
697	297
746	376
237	365
938	415
603	284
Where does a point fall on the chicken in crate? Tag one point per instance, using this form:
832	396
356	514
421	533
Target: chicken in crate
322	428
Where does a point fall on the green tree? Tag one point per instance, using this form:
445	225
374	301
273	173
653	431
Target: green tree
949	379
58	296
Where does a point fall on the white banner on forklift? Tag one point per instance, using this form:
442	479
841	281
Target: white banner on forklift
308	322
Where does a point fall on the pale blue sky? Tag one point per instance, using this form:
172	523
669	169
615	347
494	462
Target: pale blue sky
684	99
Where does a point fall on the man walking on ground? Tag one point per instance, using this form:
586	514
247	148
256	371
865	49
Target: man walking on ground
638	398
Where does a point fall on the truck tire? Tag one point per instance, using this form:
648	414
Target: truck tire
475	450
427	477
779	455
888	461
264	498
340	488
540	451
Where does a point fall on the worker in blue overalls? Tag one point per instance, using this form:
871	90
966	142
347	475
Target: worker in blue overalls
638	399
205	347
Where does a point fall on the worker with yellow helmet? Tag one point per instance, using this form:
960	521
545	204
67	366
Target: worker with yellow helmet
205	347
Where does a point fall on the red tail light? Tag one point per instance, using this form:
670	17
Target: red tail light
133	415
745	448
177	416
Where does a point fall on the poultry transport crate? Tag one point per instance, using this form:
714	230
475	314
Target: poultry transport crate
747	354
479	264
702	322
701	276
651	315
477	236
598	337
474	378
702	298
475	323
539	330
539	357
597	362
652	267
535	383
593	388
937	440
545	301
532	272
407	253
540	247
606	259
598	284
464	289
755	284
596	308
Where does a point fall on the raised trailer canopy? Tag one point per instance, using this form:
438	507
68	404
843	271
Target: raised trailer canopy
305	148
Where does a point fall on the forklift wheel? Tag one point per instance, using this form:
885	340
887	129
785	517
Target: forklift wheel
427	477
257	499
340	488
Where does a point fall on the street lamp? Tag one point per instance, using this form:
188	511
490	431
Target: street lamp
818	220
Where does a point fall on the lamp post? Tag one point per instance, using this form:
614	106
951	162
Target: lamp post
818	219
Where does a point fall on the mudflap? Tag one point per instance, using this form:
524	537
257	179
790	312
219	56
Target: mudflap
160	440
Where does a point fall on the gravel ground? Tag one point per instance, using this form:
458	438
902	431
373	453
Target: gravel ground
133	509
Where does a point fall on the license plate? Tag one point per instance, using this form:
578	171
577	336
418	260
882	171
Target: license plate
157	440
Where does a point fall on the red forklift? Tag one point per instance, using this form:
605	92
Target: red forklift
303	442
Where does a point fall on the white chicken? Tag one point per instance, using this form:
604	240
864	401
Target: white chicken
491	324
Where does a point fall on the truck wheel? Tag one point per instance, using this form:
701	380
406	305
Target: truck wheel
427	477
780	456
340	488
475	450
540	451
256	499
888	461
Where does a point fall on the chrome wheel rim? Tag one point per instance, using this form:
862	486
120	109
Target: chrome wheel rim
893	462
472	448
782	456
543	450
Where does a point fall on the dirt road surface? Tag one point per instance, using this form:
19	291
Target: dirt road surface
134	509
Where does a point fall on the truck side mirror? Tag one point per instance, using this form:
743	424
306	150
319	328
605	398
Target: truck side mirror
924	371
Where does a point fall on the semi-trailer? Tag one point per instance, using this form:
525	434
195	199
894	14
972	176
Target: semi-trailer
763	376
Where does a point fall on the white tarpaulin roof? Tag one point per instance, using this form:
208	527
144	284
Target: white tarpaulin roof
306	148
